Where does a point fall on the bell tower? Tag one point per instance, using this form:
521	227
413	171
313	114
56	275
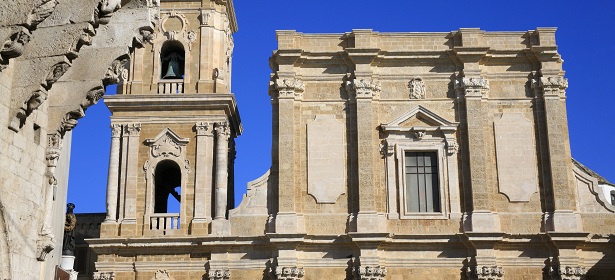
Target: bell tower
174	120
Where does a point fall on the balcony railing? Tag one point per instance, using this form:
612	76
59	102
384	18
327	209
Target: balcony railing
164	223
171	86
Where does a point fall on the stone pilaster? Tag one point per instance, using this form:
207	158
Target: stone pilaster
203	166
113	175
285	93
131	136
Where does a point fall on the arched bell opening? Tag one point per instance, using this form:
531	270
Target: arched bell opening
172	58
167	188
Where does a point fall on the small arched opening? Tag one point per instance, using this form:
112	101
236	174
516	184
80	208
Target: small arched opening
172	56
167	189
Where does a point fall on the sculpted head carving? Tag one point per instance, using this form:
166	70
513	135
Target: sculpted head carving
15	46
106	9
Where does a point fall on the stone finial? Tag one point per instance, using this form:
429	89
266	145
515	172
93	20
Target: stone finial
417	88
485	272
288	88
287	273
370	273
363	88
219	274
567	273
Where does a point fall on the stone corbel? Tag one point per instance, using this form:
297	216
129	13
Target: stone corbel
219	274
287	273
485	272
15	45
363	88
370	273
106	8
117	72
475	87
287	89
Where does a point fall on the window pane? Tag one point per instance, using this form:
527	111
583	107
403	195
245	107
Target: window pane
412	191
422	186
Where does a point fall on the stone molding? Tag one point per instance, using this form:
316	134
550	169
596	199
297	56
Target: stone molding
417	88
473	86
287	273
287	88
567	273
103	276
485	272
219	274
370	273
363	88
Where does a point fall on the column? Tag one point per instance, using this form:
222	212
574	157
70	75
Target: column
203	168
222	136
131	131
113	175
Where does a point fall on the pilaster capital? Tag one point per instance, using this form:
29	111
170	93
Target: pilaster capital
287	273
363	88
472	86
551	85
132	129
287	88
204	129
370	273
104	276
567	273
485	272
219	274
116	130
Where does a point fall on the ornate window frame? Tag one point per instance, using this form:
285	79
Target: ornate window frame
436	136
167	145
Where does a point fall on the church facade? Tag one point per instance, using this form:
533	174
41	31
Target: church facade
439	155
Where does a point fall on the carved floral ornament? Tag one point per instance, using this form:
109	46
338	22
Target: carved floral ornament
485	272
288	88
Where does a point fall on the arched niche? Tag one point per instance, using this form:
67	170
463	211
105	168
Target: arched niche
172	60
167	186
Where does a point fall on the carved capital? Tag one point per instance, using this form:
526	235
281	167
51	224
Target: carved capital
203	129
363	88
116	130
132	129
219	274
222	129
287	273
477	86
103	276
417	88
567	273
287	88
485	272
370	273
551	86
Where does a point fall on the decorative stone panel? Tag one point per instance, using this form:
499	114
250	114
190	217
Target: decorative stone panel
516	157
326	164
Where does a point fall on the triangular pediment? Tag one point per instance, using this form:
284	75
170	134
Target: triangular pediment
419	117
167	143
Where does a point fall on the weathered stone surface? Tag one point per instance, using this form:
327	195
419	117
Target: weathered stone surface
326	161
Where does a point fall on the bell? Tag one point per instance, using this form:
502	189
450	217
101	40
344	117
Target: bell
173	71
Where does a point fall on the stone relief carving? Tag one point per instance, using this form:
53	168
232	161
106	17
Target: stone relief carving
288	88
418	135
362	88
167	144
84	39
567	273
106	8
417	88
191	37
56	72
485	272
69	121
15	45
219	274
370	273
145	36
41	12
287	273
103	276
117	72
162	275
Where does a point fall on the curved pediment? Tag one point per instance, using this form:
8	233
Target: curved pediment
419	118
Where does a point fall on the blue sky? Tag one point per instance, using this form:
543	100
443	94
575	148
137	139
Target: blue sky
584	36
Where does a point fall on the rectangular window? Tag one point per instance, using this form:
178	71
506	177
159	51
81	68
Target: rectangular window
422	186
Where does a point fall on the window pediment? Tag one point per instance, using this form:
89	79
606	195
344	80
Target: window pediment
167	143
419	119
